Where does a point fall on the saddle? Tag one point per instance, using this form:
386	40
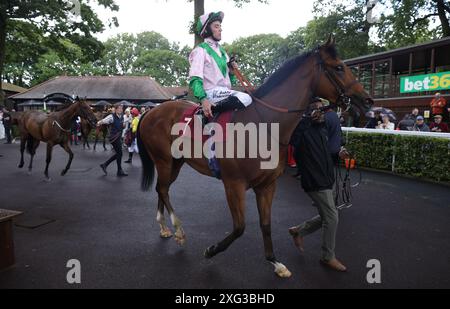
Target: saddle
195	123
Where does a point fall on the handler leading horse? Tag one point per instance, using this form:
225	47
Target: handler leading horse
53	129
316	73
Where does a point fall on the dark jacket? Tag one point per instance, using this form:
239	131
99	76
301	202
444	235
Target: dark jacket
333	125
316	166
7	120
371	124
116	128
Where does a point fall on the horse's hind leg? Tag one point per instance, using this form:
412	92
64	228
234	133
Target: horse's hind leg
264	197
105	132
96	140
167	174
33	148
236	201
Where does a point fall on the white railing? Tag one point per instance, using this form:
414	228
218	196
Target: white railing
395	132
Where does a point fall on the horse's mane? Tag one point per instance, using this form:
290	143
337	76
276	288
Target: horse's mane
287	69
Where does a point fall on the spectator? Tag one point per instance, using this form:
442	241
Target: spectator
407	123
7	121
131	134
420	125
386	124
438	104
127	118
414	114
2	128
372	123
143	110
438	125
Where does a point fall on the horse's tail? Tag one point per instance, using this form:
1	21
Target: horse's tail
148	166
30	142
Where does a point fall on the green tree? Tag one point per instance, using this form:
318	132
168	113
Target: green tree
120	54
166	66
54	19
409	23
259	55
346	20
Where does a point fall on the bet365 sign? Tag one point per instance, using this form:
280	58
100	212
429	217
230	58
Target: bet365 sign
428	82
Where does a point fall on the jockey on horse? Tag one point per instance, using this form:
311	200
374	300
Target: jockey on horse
210	76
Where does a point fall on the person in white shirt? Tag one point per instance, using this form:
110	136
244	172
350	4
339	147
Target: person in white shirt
386	124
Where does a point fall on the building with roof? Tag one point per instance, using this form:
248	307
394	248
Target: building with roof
404	78
113	89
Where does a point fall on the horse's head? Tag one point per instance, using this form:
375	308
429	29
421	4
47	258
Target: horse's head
85	111
336	81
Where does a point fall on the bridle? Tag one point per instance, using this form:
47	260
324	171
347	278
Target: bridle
342	90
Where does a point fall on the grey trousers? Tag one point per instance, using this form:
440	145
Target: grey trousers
327	220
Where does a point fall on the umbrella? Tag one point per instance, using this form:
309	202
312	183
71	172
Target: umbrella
60	97
383	112
148	104
127	104
31	103
101	104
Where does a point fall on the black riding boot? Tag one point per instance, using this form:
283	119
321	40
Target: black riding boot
230	103
130	158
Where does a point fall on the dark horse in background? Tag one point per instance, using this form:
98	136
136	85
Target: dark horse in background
53	129
319	72
86	129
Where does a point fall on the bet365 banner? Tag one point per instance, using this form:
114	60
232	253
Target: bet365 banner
428	82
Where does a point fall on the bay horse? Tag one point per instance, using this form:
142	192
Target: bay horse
86	129
281	99
53	129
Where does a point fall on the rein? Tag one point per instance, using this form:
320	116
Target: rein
342	90
249	88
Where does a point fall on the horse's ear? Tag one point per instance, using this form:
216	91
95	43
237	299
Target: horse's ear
331	41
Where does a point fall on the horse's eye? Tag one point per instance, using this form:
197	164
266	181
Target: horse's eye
340	68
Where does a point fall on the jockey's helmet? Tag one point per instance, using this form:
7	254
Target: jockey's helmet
202	26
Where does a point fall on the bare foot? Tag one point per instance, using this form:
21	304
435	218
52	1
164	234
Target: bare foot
298	240
334	264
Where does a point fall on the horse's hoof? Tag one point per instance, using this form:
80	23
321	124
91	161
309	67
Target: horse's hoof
20	166
63	173
29	173
165	234
47	179
282	271
209	252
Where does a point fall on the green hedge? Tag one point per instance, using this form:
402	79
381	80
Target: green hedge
424	157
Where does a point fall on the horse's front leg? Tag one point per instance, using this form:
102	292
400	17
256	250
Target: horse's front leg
23	142
48	159
264	198
235	192
66	147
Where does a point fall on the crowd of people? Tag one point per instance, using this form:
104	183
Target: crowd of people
440	113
